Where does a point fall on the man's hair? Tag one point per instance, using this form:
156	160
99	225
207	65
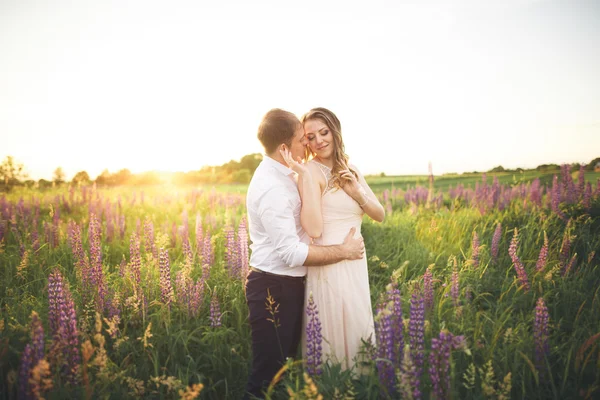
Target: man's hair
277	127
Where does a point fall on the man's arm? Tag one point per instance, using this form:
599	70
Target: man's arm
352	249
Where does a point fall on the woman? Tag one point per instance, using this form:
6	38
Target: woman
341	290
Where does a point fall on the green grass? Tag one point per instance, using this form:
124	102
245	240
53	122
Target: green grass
494	313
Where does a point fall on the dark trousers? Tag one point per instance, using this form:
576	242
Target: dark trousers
275	333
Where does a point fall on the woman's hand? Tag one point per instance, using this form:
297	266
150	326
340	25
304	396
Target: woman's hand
297	166
352	187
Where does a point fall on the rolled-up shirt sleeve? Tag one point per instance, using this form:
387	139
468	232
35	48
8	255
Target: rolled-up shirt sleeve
277	218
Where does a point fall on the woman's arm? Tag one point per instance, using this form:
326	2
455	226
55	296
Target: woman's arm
310	186
360	191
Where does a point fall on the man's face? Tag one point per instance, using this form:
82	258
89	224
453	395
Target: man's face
299	142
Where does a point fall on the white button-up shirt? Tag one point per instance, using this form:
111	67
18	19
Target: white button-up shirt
279	244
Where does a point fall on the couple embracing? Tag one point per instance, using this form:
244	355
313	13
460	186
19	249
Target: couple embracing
304	222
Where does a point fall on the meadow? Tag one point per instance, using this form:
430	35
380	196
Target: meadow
483	287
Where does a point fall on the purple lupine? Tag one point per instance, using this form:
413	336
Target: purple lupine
540	335
63	324
581	181
417	336
149	246
428	289
199	235
96	273
314	338
215	311
496	242
543	257
439	364
187	251
183	288
166	290
243	250
519	267
475	246
32	355
397	322
454	286
207	251
196	296
135	260
26	365
385	345
231	252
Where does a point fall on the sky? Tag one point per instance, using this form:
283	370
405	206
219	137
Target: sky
173	86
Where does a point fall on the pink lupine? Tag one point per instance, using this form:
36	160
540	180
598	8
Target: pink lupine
543	257
519	267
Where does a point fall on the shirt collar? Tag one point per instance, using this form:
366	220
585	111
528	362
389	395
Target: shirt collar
278	166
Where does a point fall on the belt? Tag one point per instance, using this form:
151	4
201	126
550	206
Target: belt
260	271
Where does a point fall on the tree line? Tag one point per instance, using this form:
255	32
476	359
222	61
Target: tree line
12	173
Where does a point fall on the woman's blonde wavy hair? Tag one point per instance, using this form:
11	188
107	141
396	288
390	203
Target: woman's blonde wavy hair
340	158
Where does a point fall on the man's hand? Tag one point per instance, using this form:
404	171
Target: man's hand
354	247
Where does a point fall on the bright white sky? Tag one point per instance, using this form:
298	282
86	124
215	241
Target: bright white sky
177	85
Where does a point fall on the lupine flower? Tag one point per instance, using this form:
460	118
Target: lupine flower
215	311
512	251
207	251
243	243
196	297
454	288
136	259
540	335
63	324
199	235
187	251
149	245
314	338
397	322
417	336
439	364
32	355
543	257
406	375
428	289
496	242
96	275
385	345
166	290
475	246
173	234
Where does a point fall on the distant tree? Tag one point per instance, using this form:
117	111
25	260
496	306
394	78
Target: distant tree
44	184
59	176
104	178
575	167
81	178
122	177
241	176
30	183
499	168
250	162
548	167
592	164
382	175
11	172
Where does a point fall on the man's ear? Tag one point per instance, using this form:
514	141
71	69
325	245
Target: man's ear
283	147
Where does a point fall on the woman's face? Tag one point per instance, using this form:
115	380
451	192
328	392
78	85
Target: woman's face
319	137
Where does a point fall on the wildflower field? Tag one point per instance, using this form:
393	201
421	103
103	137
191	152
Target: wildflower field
482	290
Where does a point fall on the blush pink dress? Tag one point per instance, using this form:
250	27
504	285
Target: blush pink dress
341	290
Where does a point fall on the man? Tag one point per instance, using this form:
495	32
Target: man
280	250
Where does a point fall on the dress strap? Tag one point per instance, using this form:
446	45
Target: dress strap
327	174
